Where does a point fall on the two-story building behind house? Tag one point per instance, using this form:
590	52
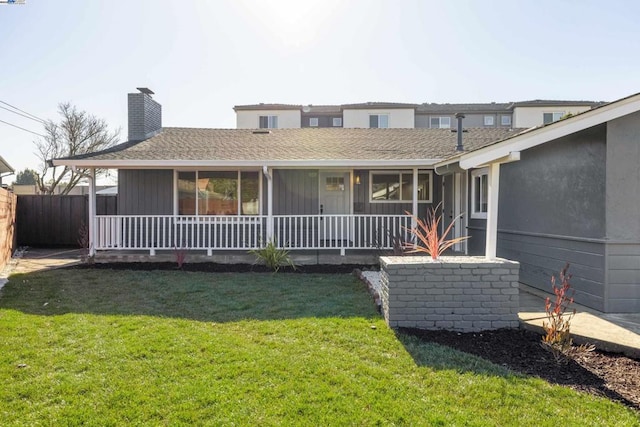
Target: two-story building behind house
521	114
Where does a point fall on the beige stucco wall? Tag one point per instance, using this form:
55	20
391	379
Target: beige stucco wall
526	117
398	118
287	119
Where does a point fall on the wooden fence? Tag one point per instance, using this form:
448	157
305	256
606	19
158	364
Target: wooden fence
7	225
56	220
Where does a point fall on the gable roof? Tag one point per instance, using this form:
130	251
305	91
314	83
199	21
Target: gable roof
533	137
183	147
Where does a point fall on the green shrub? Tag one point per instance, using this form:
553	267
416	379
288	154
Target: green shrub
273	257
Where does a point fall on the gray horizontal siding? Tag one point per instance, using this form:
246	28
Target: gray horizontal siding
541	256
623	277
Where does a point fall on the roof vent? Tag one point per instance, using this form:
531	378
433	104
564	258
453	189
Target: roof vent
261	132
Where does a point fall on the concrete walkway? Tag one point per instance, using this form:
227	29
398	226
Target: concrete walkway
607	331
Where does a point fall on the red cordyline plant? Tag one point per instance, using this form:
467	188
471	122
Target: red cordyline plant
427	234
558	325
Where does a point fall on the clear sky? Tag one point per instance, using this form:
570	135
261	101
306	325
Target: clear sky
203	57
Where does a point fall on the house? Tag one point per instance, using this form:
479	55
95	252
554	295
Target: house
568	191
522	114
565	191
5	170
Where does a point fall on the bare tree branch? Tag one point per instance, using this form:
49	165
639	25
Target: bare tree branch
77	133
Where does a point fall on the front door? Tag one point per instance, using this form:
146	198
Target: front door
334	196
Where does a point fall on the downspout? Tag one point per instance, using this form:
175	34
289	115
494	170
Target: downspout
268	173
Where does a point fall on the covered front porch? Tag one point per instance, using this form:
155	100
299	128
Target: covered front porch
246	232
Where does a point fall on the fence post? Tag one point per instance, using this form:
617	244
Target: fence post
92	211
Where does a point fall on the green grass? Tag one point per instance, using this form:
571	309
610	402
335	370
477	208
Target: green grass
176	348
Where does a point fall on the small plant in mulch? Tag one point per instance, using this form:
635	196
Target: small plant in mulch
273	257
557	327
180	255
83	242
427	234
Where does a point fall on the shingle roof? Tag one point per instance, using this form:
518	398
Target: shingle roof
491	107
305	144
551	103
262	106
367	105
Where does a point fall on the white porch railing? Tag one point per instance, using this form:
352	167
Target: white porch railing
159	232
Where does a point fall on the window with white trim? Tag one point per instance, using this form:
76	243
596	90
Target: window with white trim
397	186
479	193
218	193
488	120
552	117
378	120
268	122
313	122
505	120
440	122
337	122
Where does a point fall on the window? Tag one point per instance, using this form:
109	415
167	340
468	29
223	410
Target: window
397	186
488	120
337	122
378	120
268	122
505	120
334	183
218	193
552	117
479	193
440	122
313	121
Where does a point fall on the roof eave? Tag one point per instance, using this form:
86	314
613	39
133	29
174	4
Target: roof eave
175	164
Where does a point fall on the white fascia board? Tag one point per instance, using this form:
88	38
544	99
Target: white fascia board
169	164
548	133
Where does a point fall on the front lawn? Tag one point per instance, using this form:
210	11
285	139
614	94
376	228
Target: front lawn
102	347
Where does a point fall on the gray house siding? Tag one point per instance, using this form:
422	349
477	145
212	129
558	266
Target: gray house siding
145	192
623	214
552	211
323	121
295	192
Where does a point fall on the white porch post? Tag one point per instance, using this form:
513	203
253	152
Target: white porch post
492	210
414	205
92	212
268	172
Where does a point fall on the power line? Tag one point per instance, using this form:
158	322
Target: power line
20	114
22	111
26	130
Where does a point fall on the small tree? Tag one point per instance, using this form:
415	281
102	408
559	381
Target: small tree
77	133
26	177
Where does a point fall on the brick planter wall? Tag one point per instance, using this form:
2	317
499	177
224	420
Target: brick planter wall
465	294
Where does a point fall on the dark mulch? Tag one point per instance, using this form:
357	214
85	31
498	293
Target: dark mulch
211	267
614	376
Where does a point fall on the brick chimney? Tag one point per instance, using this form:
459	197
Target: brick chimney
145	115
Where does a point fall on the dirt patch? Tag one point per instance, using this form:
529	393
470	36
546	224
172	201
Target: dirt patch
614	376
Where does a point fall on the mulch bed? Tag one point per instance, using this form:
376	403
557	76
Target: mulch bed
611	375
211	267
